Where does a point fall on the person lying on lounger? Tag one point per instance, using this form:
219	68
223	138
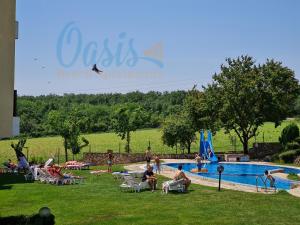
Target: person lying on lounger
150	178
10	165
55	171
181	175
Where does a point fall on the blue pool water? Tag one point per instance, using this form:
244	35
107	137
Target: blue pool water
240	173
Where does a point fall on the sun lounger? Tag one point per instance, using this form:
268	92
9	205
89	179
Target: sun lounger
130	184
74	165
173	185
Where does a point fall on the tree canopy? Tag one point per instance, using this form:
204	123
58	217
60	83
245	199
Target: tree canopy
245	95
126	119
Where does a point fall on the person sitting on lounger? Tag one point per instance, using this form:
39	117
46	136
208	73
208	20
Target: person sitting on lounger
149	177
270	178
181	175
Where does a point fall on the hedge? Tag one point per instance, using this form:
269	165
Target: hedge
289	156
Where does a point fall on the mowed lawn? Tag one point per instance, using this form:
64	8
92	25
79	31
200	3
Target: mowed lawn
100	201
50	146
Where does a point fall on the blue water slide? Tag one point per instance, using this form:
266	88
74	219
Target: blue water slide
206	147
202	144
213	156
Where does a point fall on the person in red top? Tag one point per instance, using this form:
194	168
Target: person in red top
55	171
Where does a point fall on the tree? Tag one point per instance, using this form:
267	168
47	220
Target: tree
245	95
178	129
199	111
127	118
19	147
68	126
170	135
289	134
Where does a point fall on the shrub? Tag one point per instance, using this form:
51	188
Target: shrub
292	145
275	157
293	176
37	160
297	139
297	160
289	134
289	156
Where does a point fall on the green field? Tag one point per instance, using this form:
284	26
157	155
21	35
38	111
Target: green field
99	201
50	146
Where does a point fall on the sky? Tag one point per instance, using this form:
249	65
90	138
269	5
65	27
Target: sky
146	45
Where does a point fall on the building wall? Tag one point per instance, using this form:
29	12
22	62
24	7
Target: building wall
7	65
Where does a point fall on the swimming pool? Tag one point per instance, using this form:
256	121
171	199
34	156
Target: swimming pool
240	173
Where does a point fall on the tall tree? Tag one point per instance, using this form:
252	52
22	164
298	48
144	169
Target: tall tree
245	95
199	110
127	118
68	126
178	129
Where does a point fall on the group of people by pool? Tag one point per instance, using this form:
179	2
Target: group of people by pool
151	179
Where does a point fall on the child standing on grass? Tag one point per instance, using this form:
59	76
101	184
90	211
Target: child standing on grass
148	156
157	164
109	162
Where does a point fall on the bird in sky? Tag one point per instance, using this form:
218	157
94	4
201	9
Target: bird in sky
96	69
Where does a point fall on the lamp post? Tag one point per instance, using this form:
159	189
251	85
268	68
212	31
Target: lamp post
220	170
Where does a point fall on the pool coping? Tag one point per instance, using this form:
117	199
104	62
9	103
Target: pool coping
169	172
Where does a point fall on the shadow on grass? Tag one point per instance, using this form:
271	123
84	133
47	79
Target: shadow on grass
8	179
28	220
159	190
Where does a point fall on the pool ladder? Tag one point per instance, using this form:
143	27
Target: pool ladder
261	177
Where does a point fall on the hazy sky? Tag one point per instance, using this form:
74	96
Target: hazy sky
146	45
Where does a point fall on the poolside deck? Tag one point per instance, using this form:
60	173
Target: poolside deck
170	172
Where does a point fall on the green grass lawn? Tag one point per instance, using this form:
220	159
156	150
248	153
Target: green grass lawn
50	146
99	201
293	176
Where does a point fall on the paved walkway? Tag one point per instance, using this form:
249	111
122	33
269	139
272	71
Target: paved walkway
170	172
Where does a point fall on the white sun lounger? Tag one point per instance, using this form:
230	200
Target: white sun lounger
173	185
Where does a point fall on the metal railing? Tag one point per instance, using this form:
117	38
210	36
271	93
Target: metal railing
265	184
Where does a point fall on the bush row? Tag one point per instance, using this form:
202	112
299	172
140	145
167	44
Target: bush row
289	156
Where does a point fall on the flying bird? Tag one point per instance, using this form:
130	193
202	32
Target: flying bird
35	59
96	69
